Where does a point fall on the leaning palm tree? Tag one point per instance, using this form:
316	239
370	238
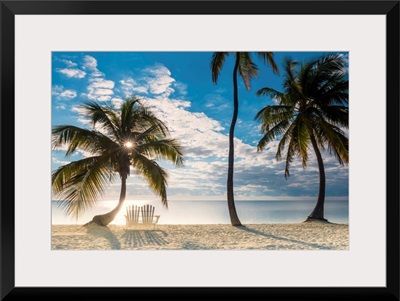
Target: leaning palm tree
312	110
247	69
132	136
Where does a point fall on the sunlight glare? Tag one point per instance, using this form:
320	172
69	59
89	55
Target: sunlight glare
129	144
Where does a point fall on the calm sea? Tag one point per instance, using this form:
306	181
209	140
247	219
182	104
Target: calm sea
216	212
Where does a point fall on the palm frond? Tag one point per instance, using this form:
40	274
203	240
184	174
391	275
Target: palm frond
282	143
337	115
273	115
329	65
290	82
77	138
272	133
305	77
274	94
337	93
268	58
145	118
168	149
128	111
314	102
152	131
302	139
247	69
104	115
154	174
79	184
217	62
291	152
337	142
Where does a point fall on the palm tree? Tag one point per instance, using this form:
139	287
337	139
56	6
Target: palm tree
132	136
312	110
247	69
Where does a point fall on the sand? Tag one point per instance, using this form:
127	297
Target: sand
301	236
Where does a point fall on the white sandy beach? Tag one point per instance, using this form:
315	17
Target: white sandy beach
301	236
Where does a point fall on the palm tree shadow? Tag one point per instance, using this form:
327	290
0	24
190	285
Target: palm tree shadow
139	238
105	232
257	232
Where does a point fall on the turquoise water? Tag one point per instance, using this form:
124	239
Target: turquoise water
216	212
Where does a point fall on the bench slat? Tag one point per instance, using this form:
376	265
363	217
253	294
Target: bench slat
147	214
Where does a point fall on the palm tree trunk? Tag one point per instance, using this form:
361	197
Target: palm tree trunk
231	202
318	212
105	219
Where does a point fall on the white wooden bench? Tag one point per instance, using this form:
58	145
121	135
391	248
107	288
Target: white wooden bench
132	215
141	217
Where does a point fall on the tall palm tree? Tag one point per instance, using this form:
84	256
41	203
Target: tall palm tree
132	136
312	110
245	66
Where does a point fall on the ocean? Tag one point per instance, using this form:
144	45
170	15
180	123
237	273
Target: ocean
216	212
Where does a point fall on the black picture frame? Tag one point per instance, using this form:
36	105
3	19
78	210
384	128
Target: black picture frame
11	8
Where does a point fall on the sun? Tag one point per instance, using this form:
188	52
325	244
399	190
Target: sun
128	144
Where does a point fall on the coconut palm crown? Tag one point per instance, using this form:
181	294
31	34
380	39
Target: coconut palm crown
120	139
311	112
247	69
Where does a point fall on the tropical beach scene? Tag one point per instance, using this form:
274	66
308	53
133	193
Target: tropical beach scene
200	151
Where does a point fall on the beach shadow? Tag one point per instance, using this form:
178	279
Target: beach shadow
105	232
139	238
257	232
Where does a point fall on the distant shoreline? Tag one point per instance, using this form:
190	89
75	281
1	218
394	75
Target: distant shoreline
299	236
214	212
236	200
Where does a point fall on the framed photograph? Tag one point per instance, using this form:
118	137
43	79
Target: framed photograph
244	150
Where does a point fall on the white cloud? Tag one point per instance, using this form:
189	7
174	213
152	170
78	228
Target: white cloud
69	63
100	89
79	110
130	87
102	84
103	98
199	134
56	161
61	94
83	117
217	102
72	72
68	94
97	73
61	107
181	87
258	174
90	63
117	102
205	145
57	90
250	189
159	80
155	80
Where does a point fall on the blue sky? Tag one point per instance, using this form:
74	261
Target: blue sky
178	88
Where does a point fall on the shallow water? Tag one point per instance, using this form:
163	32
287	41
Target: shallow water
216	212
